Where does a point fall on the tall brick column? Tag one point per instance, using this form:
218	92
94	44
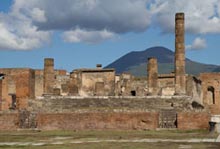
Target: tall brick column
180	78
48	75
0	95
152	71
1	90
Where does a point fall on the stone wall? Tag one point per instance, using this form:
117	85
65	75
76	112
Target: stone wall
97	121
62	82
166	84
193	120
122	104
86	82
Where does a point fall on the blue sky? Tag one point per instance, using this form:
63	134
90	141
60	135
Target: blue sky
80	33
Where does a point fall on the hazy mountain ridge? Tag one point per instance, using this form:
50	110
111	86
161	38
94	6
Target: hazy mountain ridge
136	62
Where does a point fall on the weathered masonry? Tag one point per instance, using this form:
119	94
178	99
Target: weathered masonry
97	98
49	76
180	78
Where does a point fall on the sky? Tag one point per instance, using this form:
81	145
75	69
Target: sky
83	33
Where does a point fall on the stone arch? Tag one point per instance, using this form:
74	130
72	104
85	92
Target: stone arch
211	94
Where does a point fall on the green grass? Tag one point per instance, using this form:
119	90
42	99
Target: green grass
164	134
49	137
121	146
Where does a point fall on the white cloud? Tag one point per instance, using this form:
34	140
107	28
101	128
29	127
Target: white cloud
29	23
38	15
198	44
201	17
20	34
79	35
118	16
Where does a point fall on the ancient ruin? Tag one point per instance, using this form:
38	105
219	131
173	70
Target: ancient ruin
51	99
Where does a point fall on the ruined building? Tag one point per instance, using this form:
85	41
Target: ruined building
99	99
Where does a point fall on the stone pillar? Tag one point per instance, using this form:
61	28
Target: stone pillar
0	93
152	71
180	79
1	90
49	75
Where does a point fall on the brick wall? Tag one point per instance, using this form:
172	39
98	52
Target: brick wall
105	121
193	120
211	80
98	121
19	81
8	121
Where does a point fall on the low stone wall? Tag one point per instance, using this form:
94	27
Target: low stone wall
97	121
60	104
9	121
193	120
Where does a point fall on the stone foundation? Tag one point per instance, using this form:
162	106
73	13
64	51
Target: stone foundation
98	121
193	120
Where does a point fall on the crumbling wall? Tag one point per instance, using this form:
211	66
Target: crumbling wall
124	103
166	84
211	91
27	119
138	86
19	81
123	84
98	121
85	81
128	85
62	80
194	88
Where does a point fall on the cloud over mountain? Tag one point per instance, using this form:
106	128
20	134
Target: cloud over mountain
198	44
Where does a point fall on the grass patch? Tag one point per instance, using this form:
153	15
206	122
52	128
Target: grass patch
66	137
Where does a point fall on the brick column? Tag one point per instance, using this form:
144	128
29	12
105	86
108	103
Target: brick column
0	89
180	78
152	71
49	76
0	94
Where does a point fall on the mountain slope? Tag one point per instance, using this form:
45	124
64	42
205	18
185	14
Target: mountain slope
136	62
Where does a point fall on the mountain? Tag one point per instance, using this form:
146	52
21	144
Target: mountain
136	63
